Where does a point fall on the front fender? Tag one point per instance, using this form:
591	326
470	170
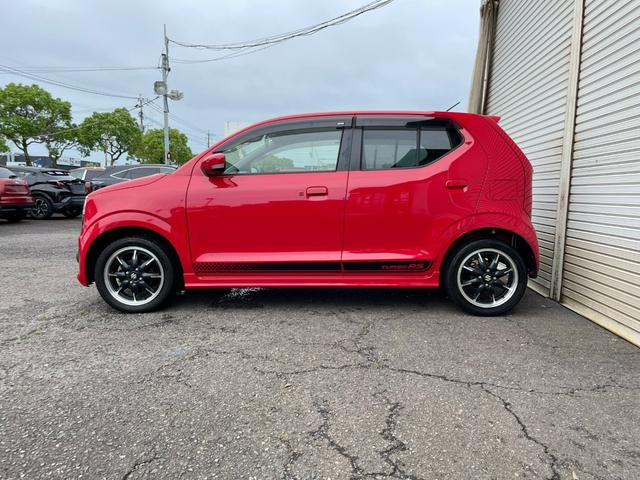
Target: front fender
172	232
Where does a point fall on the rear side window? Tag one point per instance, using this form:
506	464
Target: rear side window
406	148
142	172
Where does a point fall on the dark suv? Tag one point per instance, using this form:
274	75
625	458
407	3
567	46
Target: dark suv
123	173
53	191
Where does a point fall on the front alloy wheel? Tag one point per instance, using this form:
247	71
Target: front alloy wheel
134	274
486	277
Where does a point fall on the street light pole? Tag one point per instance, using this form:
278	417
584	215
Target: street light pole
165	74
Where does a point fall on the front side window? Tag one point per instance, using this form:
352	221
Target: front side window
286	152
405	148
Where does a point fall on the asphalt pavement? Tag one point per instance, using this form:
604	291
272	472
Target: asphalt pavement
299	383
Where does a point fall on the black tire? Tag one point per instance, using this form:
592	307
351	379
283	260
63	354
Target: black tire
42	209
464	278
146	246
72	212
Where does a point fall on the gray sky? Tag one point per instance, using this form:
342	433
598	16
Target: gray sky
411	54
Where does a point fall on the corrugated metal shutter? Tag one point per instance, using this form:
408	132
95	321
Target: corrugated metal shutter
528	88
602	255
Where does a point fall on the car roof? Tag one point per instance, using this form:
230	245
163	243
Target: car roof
86	168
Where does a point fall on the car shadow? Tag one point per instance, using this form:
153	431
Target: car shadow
255	298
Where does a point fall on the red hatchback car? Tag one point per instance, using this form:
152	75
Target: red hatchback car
350	199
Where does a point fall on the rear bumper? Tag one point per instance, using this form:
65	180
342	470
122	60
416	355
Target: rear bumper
74	201
13	206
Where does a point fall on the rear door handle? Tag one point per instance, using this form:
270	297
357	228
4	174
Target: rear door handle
458	183
317	191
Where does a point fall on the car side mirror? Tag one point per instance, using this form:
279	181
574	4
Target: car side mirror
214	165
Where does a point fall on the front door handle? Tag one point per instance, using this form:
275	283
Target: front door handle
457	183
317	191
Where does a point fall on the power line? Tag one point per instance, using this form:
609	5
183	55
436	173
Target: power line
179	120
82	69
39	78
275	39
58	132
191	137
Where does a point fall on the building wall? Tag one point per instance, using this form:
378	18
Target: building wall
528	89
565	78
601	275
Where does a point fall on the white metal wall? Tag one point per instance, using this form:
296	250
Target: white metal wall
602	252
528	88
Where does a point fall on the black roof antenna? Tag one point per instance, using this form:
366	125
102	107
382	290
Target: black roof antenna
452	106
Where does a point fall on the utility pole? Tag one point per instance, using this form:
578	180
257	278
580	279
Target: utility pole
208	139
140	113
165	74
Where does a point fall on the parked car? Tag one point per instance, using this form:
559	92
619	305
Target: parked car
87	173
53	191
357	199
124	173
15	196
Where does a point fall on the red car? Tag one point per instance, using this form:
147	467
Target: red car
351	199
15	197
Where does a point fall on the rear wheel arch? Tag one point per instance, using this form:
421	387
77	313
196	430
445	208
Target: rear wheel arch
114	234
512	239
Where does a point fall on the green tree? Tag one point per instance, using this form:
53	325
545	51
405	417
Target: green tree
58	142
28	113
113	133
3	145
151	149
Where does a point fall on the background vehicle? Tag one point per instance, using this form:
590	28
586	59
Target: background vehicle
124	173
373	199
15	196
87	173
53	191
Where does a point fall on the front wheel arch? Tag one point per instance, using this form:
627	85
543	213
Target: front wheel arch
117	233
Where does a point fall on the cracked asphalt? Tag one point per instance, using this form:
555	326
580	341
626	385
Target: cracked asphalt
299	384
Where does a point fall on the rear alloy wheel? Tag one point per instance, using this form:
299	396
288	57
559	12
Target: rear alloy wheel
486	277
42	208
134	274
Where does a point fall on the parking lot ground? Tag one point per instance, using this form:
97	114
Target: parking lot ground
299	383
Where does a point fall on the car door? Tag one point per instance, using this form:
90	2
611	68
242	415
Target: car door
278	207
398	199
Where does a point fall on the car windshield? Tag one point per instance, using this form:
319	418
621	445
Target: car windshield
6	173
